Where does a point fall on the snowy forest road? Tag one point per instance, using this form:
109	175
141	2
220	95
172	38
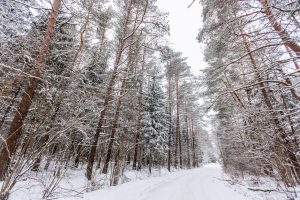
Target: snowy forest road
197	184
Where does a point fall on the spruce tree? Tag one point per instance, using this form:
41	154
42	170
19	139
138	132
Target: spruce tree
155	126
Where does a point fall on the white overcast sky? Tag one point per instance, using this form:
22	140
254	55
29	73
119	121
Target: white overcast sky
184	27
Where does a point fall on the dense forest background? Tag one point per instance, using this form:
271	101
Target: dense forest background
95	85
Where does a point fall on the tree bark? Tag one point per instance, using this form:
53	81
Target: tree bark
284	35
187	138
193	144
177	144
139	124
170	121
282	136
107	97
118	109
78	155
118	159
14	133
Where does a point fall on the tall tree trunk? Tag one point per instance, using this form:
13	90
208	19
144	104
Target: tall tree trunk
14	133
170	120
131	54
139	123
177	125
282	136
118	159
187	138
83	30
180	150
118	108
107	97
287	79
178	138
193	144
284	35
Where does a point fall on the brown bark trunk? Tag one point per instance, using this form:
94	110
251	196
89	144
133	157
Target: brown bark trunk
180	150
78	155
118	109
99	158
234	94
102	37
193	144
14	133
131	54
282	136
140	157
293	91
285	37
112	137
45	139
178	138
187	138
107	97
136	148
170	122
84	27
139	124
118	160
177	123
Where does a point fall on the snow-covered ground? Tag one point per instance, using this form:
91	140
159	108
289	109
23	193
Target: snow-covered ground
196	184
205	183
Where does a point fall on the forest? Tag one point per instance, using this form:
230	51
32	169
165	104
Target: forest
94	87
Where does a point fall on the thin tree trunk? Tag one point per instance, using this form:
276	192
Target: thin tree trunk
193	144
150	162
187	139
177	120
44	139
78	154
118	160
139	124
140	157
178	137
170	122
48	162
84	28
180	150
